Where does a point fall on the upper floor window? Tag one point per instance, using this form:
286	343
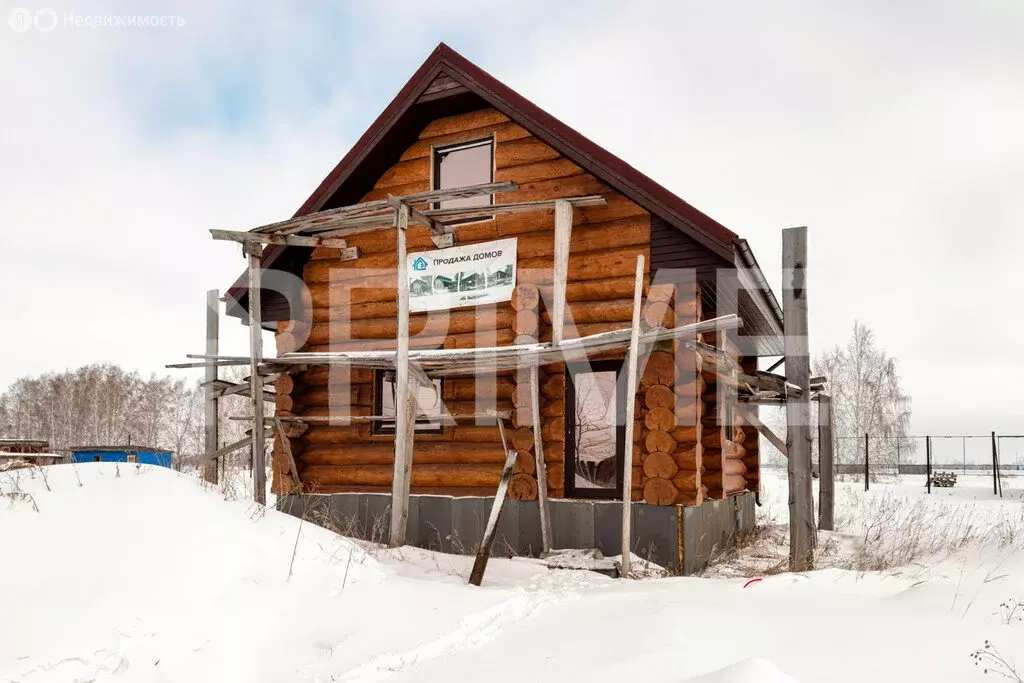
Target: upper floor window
468	163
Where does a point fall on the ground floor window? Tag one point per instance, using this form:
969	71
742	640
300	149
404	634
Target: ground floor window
133	458
429	406
595	433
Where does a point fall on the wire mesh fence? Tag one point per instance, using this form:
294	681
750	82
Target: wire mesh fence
975	460
982	464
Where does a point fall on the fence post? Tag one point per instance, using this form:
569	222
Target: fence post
995	468
997	483
928	467
867	471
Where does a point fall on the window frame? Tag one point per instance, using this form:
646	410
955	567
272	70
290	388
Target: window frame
435	172
578	368
380	428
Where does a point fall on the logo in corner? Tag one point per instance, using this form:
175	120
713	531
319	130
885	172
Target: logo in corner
419	264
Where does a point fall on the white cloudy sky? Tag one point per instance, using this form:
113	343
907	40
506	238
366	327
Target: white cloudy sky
892	129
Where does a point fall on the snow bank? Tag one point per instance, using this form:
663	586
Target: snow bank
136	573
754	670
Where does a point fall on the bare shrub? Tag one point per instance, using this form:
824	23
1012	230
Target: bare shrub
993	662
1011	612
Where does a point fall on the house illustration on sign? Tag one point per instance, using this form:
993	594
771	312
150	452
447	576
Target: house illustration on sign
419	264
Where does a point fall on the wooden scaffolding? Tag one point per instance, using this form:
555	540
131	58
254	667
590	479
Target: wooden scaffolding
416	367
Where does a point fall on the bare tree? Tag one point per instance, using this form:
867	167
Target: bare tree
867	398
101	404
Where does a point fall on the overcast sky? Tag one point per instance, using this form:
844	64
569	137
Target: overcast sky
893	130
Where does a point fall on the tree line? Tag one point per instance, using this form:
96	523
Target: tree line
104	405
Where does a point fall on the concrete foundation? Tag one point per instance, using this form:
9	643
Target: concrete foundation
679	538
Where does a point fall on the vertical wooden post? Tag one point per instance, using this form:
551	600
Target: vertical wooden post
928	462
798	414
867	468
826	469
259	445
210	444
405	394
538	450
631	381
563	231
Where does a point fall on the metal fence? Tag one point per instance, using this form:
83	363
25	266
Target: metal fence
981	461
990	456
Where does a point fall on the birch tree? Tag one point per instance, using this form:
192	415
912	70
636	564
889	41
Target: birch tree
867	398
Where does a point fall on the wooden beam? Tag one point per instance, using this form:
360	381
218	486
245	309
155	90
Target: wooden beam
259	445
241	443
749	413
563	232
798	413
513	207
348	419
476	576
405	394
826	461
222	388
210	431
416	215
286	446
631	382
287	240
468	361
377	210
538	453
352	226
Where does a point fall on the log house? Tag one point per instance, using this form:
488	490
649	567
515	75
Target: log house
454	125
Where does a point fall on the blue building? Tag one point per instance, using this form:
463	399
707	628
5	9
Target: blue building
130	454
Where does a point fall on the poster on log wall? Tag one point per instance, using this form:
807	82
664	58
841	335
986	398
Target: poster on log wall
467	275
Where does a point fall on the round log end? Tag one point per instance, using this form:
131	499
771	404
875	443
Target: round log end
525	297
522	439
526	463
522	487
661	419
660	369
659	441
661	465
660	491
659	396
526	323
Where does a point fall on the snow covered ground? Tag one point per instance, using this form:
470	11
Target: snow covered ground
136	573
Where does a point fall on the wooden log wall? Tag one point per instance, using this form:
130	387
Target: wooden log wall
351	306
671	405
751	437
724	454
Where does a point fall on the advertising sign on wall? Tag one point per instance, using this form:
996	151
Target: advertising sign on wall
462	276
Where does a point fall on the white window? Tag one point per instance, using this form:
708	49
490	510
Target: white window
429	405
469	163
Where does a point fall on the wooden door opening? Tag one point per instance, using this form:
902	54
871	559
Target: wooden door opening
595	430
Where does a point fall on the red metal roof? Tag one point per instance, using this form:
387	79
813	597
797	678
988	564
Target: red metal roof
595	159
